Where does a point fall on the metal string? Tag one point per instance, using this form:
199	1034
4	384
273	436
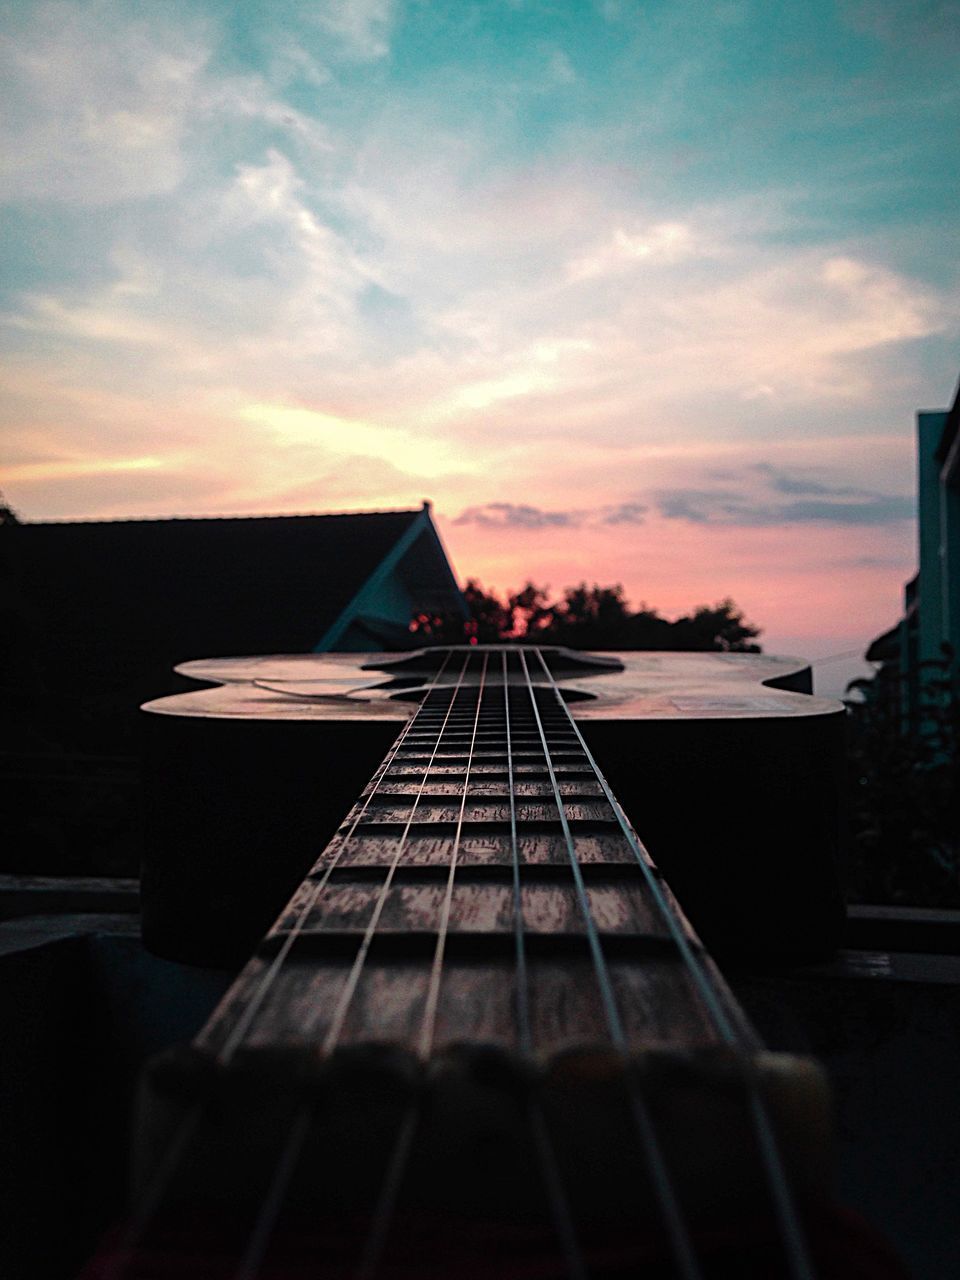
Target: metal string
153	1197
346	995
376	1240
433	991
523	982
253	1006
556	1194
283	1172
593	938
272	1205
707	991
798	1254
386	1201
679	1236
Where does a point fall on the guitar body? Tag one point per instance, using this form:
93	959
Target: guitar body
726	766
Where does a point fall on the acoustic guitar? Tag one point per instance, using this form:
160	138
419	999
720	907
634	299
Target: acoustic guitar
729	770
482	1038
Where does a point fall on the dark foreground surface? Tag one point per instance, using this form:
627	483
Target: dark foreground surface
83	1006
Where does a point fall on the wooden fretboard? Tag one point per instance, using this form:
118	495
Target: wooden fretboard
482	1006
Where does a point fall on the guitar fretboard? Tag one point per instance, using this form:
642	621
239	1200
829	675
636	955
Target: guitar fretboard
481	1010
486	887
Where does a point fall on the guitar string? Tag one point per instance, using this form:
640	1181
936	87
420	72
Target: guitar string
679	1237
553	1180
272	1204
383	1213
252	1008
553	1183
122	1259
797	1249
433	991
152	1198
525	1033
347	994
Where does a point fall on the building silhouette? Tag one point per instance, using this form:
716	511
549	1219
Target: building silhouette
923	650
94	615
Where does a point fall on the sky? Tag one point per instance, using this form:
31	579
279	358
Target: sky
637	291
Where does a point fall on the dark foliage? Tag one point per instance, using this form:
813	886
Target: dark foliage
585	617
904	788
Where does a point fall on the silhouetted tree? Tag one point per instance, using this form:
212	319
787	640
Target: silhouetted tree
489	620
588	617
7	513
904	788
720	627
530	611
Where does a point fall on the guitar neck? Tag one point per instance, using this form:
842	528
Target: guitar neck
486	888
482	1005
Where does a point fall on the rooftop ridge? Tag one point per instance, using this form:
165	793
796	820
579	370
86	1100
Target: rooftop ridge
279	515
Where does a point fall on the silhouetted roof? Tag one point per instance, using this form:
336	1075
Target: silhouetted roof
143	594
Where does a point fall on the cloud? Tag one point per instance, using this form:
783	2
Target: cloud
483	394
663	242
502	515
560	71
510	515
244	284
697	506
102	108
76	468
873	302
888	564
762	495
290	61
97	107
878	509
803	483
362	27
355	439
272	195
931	26
811	502
625	513
100	321
239	99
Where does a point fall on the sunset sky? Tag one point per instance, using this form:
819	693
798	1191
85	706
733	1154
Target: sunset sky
639	291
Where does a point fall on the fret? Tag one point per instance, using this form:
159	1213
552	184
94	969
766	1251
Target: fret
419	872
435	811
657	1001
488	846
494	785
484	904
